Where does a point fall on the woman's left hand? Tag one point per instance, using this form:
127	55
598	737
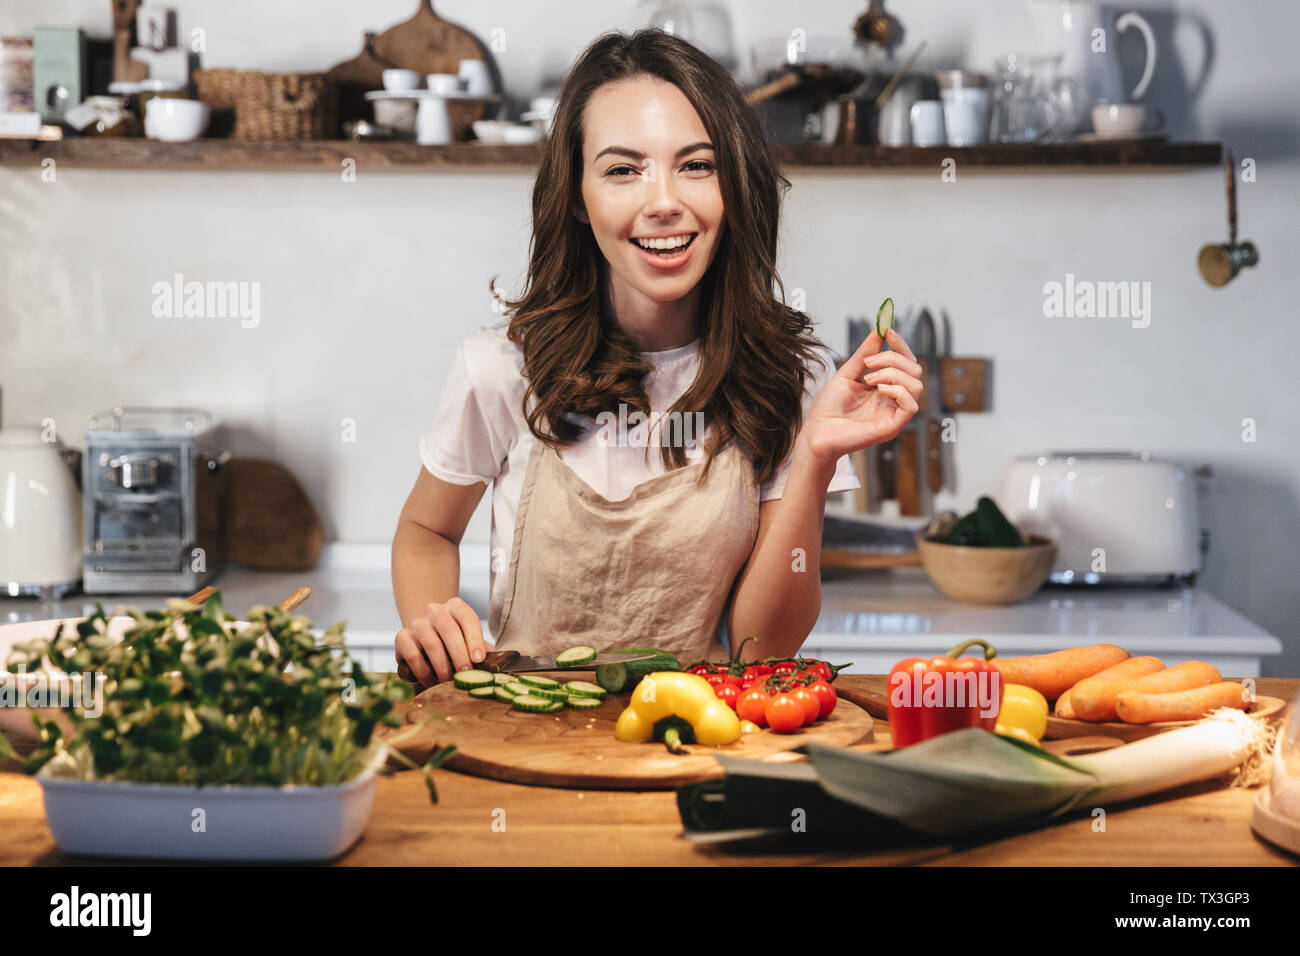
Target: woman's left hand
848	415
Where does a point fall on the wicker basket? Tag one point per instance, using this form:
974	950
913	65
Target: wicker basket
280	106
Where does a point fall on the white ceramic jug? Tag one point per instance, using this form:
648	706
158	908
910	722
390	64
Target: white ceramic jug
1084	35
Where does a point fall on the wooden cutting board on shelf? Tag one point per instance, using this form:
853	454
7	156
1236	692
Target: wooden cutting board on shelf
576	748
427	44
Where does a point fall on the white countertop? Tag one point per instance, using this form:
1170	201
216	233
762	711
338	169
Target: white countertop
872	618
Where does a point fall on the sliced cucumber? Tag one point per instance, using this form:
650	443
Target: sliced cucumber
584	703
536	705
534	681
885	318
549	693
518	689
468	680
582	688
504	678
575	656
487	690
503	695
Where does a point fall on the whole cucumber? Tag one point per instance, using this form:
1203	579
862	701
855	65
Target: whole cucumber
620	678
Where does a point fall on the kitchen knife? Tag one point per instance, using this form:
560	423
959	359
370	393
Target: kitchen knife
931	429
512	662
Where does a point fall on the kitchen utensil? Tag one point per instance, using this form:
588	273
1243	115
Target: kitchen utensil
1126	120
908	483
475	77
125	69
174	120
894	125
58	70
812	79
925	345
40	517
927	123
965	115
432	122
1023	111
444	83
355	77
888	91
1116	517
577	748
1071	29
987	575
876	25
1220	263
512	662
1061	728
706	25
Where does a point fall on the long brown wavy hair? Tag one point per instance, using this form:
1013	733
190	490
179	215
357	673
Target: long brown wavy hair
754	349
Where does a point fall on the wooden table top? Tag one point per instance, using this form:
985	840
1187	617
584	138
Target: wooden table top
489	823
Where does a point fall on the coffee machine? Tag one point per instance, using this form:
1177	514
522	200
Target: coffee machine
152	485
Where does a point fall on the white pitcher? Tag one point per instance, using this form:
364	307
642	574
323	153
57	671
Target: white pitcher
1084	35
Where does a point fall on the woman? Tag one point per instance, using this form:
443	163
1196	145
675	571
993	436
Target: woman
649	291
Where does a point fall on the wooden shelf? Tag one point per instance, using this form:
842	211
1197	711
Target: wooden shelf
222	155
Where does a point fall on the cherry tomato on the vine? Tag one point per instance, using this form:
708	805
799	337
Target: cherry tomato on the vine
784	714
812	708
825	695
752	705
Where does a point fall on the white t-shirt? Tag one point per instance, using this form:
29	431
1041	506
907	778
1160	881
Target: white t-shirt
479	433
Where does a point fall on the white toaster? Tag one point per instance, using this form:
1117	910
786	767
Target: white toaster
1116	517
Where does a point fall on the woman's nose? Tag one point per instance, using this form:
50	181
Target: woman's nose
661	194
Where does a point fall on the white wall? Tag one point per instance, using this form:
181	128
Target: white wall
367	287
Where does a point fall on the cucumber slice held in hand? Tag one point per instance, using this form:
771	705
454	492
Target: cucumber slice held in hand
885	318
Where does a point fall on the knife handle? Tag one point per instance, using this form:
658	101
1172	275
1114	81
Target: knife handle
909	475
493	662
934	455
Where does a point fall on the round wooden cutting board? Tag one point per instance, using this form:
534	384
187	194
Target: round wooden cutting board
576	748
1060	728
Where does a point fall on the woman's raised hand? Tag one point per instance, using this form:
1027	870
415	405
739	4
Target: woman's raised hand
848	415
449	636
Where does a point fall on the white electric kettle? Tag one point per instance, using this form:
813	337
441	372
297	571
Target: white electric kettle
1084	36
40	516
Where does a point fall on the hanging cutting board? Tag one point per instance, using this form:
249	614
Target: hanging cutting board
576	748
427	44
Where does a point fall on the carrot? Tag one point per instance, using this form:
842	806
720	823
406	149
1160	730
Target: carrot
1053	674
1185	676
1064	708
1137	708
1093	698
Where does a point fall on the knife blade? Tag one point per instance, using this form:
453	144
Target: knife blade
512	662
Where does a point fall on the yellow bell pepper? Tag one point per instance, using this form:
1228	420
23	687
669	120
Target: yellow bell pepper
1023	714
674	694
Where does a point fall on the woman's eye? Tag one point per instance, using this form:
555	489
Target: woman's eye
623	170
702	165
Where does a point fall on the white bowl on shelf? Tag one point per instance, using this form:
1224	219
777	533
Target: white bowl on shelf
175	121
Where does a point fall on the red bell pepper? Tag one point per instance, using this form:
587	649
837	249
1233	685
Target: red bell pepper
941	694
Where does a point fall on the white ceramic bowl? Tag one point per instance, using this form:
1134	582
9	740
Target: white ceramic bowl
175	121
401	80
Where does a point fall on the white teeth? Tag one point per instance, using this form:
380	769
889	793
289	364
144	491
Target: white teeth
672	242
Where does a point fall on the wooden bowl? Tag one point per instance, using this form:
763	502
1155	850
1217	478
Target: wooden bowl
988	575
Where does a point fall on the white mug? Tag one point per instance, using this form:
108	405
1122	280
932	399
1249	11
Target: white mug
965	114
926	117
432	122
475	77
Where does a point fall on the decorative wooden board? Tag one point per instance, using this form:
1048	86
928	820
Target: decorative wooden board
576	748
1059	728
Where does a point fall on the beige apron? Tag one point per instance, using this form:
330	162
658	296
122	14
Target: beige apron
655	569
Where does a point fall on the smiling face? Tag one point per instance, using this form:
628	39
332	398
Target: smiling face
650	191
